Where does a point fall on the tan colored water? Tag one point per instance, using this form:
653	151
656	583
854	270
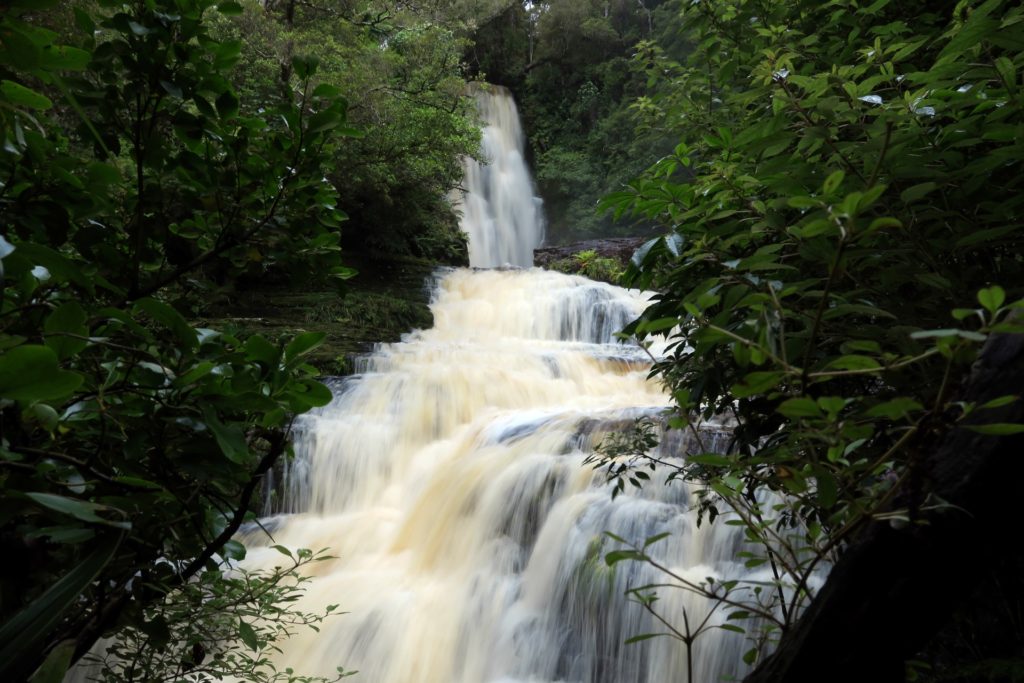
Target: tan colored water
448	480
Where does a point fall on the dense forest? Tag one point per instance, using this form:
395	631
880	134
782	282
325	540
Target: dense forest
831	195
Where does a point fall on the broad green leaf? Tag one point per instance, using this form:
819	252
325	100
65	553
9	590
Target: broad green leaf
227	105
992	298
65	329
800	407
230	438
248	636
854	362
303	344
19	95
64	58
833	182
309	394
896	408
79	509
260	350
651	540
30	373
997	428
999	402
757	383
912	194
170	318
712	459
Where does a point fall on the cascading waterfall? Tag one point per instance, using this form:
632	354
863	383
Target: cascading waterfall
500	214
447	478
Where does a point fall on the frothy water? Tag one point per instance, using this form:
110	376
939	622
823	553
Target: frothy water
447	477
500	214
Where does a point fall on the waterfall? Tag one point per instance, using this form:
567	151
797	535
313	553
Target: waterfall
447	478
500	215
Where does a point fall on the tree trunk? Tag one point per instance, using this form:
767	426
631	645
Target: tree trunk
894	588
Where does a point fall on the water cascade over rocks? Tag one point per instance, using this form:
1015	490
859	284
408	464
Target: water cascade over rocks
447	478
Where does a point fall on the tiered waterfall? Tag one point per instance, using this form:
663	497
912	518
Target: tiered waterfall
447	478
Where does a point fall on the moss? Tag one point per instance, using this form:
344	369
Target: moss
589	264
388	298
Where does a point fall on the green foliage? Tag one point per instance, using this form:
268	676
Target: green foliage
134	177
589	264
400	69
225	623
848	175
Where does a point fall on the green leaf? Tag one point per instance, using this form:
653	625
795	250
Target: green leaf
230	438
64	58
84	21
172	89
324	120
803	202
305	65
757	383
68	319
61	268
43	415
800	407
999	402
195	374
660	325
79	509
303	344
326	90
283	550
853	362
309	394
711	459
992	298
651	540
260	350
158	631
19	95
230	8
616	556
170	318
997	428
227	105
895	409
30	373
642	637
912	194
248	636
833	182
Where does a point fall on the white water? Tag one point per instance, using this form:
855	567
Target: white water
447	478
500	214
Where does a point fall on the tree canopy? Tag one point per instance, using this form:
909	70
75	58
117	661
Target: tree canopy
155	154
842	238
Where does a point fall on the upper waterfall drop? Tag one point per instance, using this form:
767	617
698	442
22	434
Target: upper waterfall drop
500	213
